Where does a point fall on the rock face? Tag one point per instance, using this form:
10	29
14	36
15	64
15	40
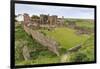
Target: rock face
46	41
26	53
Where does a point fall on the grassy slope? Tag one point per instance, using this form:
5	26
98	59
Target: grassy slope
40	56
86	53
66	37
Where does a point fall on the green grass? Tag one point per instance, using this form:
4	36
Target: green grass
85	25
43	57
66	37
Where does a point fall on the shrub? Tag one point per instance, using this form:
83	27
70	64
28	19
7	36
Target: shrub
78	57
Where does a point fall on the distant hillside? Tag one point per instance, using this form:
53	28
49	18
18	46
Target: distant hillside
80	20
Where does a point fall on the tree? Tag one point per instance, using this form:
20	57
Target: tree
35	17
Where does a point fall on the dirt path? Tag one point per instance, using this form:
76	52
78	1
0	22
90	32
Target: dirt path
65	57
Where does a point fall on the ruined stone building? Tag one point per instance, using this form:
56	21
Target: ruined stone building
46	19
43	21
60	21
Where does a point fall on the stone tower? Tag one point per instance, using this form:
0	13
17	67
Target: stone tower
43	19
52	20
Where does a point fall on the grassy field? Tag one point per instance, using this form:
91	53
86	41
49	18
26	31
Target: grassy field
66	37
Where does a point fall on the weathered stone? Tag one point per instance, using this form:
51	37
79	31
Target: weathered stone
52	20
45	41
43	19
26	29
26	53
26	19
74	49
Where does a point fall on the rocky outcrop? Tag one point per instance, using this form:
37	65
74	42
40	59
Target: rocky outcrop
74	49
51	44
26	53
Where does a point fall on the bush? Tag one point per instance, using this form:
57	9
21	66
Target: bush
79	57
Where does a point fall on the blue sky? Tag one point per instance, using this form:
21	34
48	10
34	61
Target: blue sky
67	12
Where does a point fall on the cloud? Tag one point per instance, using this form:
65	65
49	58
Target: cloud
71	12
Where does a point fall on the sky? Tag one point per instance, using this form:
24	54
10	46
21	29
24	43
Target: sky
67	12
